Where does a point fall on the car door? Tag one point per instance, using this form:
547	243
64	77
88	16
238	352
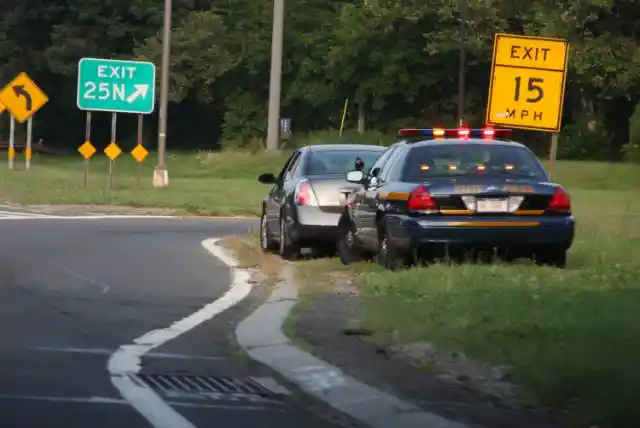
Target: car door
371	199
275	197
287	183
365	208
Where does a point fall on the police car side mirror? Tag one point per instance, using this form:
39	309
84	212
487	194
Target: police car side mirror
355	177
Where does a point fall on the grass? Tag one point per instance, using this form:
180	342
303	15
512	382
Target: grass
572	336
204	183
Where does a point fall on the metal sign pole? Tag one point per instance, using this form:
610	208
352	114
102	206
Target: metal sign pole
140	127
12	136
113	140
87	137
553	154
27	150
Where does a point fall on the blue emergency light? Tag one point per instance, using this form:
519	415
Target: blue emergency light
485	133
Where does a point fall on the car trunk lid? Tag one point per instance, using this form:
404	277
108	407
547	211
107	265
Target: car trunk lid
331	191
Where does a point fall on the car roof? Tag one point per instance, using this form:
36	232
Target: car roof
339	146
456	141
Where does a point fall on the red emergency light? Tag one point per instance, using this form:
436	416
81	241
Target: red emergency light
487	133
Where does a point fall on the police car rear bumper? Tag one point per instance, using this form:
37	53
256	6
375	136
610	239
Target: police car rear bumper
513	232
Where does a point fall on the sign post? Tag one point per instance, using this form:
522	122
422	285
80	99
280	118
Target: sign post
12	140
23	98
527	85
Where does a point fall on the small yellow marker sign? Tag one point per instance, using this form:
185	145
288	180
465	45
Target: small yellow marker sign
139	153
87	150
12	153
112	151
22	97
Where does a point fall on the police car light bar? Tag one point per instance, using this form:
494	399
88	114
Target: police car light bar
486	133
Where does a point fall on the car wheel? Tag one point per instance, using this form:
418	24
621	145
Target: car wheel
551	257
387	255
288	250
266	242
348	250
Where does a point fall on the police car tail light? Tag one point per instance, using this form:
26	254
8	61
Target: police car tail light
304	194
421	200
559	201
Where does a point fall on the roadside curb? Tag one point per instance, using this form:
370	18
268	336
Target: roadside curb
260	335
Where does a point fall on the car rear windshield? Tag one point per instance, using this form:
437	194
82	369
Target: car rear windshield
339	161
463	160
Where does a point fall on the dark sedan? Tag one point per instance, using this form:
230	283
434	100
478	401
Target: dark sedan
443	197
308	196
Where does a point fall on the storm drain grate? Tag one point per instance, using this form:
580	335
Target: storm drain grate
195	384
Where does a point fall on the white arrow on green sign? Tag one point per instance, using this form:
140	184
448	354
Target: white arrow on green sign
116	86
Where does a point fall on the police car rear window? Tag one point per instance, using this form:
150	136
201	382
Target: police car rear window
466	160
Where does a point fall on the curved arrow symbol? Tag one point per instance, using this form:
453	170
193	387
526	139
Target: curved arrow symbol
20	91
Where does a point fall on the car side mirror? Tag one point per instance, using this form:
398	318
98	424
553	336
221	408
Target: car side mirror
267	178
355	177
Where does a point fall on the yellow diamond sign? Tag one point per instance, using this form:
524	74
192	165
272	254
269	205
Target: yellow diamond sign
87	150
112	151
139	153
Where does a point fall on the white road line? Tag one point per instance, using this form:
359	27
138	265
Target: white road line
127	359
104	287
99	351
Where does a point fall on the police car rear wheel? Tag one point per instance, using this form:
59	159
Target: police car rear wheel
387	256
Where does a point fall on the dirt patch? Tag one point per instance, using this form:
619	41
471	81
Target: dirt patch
457	368
266	267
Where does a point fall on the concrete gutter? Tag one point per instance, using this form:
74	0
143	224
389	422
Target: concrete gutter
261	336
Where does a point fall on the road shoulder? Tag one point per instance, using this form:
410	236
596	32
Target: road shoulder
321	330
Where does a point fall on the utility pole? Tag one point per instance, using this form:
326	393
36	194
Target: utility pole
161	176
464	13
273	131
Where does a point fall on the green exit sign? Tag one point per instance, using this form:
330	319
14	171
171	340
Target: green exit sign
116	86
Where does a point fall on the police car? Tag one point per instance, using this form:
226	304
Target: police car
456	193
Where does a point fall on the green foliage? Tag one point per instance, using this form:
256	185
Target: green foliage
584	140
631	150
398	59
348	137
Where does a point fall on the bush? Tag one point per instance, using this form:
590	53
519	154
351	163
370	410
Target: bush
631	150
579	142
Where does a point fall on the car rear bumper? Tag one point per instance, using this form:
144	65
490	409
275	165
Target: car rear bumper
312	225
509	232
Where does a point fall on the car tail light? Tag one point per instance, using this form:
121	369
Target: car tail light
421	200
304	194
488	133
560	201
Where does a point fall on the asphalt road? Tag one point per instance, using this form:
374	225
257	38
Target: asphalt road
72	292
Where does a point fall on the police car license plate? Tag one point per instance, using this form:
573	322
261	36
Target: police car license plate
492	205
